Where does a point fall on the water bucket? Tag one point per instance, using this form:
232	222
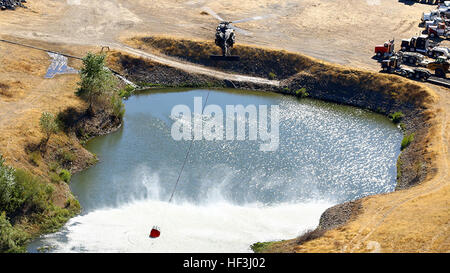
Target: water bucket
155	232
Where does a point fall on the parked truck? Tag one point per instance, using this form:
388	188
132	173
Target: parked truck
439	30
419	44
393	66
386	50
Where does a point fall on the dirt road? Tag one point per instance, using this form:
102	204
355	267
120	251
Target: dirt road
191	68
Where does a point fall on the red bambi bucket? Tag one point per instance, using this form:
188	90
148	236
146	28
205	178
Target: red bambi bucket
155	232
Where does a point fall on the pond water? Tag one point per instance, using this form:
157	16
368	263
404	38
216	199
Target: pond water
230	194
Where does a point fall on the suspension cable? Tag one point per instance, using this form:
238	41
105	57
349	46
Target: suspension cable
188	152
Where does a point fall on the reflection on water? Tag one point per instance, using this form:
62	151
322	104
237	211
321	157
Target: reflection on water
327	154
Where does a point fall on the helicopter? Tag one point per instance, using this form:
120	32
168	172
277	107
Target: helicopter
225	34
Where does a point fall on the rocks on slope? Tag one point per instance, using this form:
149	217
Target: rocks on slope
11	4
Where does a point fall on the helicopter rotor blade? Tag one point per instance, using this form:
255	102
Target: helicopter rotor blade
212	13
240	30
254	18
197	3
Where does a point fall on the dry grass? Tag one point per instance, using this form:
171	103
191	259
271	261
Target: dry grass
309	235
24	95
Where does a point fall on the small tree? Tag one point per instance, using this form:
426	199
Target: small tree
96	80
7	184
48	125
396	117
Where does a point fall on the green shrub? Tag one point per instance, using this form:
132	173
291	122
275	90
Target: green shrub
66	156
286	90
12	239
35	158
302	93
93	159
54	177
7	184
127	91
48	125
118	108
259	247
149	84
65	175
72	204
407	139
96	81
272	76
31	194
53	166
21	191
396	117
54	219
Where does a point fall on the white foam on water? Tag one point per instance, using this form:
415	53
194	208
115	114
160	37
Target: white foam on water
220	227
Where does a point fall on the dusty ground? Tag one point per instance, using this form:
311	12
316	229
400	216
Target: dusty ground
339	31
344	32
25	94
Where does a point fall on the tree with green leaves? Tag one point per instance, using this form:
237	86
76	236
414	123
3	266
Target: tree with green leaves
7	184
48	125
96	80
12	240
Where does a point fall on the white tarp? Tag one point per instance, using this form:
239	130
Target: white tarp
58	66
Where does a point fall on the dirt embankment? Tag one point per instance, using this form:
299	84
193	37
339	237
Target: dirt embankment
255	61
377	92
149	73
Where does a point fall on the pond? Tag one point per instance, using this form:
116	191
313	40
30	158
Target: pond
231	193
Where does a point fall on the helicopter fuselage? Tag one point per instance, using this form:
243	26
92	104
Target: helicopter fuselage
225	37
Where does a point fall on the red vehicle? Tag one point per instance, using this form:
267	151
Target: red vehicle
386	50
440	30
